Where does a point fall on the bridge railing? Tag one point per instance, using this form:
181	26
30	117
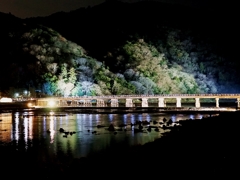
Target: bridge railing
138	96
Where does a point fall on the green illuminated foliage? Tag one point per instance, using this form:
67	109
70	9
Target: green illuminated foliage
169	61
150	74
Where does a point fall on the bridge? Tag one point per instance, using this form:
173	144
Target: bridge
113	100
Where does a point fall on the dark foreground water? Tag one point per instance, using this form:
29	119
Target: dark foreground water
85	136
207	148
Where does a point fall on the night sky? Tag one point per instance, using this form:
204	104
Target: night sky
34	8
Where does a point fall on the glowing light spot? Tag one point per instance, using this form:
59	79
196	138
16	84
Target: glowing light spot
191	116
173	118
6	99
110	117
51	113
51	103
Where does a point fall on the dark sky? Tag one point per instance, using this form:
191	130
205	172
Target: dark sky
34	8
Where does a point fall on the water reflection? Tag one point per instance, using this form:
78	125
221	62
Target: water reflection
51	129
25	126
5	126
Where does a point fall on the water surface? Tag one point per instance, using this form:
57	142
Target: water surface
22	129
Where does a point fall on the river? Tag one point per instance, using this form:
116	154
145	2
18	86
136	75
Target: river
26	129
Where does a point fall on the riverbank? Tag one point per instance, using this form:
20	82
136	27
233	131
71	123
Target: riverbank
206	148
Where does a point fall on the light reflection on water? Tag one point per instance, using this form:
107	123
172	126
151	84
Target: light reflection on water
27	127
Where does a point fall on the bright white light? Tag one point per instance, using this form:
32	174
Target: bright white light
51	113
51	103
29	104
6	100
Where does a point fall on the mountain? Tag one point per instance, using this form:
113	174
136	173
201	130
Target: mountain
106	25
120	48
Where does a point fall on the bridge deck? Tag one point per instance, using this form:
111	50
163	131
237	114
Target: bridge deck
209	96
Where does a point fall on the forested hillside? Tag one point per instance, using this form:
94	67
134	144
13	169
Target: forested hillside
45	60
84	52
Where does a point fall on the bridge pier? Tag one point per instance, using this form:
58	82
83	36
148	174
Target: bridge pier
217	102
114	102
161	102
88	102
100	102
129	103
238	102
80	102
197	103
178	103
144	102
84	102
60	102
74	103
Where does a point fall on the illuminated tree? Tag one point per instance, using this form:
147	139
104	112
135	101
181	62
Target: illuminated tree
148	85
130	74
90	89
86	87
72	75
64	88
49	88
85	73
77	90
140	89
64	73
